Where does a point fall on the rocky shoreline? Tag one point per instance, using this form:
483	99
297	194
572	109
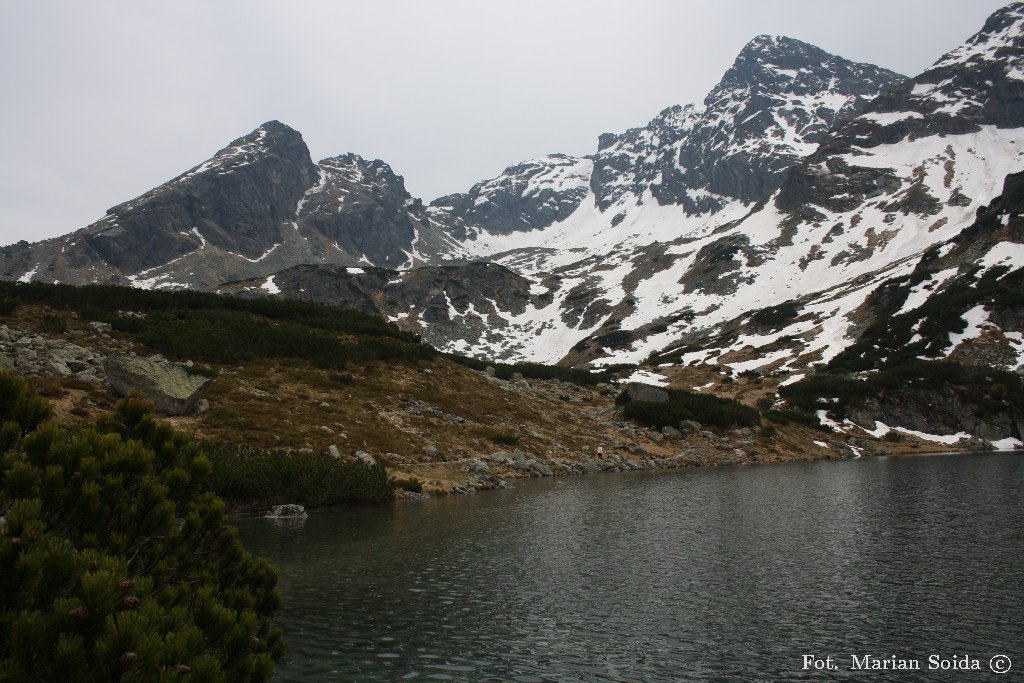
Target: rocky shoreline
700	448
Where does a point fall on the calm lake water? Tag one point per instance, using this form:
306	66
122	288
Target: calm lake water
692	575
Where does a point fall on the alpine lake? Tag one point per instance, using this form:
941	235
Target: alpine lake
834	570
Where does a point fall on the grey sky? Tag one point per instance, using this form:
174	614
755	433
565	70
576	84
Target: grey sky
106	99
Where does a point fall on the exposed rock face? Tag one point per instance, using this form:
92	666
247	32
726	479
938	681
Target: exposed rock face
527	196
168	386
235	202
770	109
362	208
258	206
936	412
30	354
446	305
366	459
339	286
230	208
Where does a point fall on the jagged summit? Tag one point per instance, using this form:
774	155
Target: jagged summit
361	210
230	207
771	108
713	160
779	65
529	195
999	40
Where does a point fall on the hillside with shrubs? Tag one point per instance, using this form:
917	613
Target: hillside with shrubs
319	405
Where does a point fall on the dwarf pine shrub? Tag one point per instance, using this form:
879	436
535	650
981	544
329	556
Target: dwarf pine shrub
116	563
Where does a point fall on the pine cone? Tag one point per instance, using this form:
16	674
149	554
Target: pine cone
126	585
78	613
182	669
254	641
130	602
127	659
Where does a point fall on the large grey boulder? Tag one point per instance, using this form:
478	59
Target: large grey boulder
168	386
646	392
366	458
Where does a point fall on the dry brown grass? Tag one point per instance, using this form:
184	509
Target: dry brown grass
404	407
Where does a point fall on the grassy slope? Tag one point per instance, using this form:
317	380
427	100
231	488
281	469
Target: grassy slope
405	406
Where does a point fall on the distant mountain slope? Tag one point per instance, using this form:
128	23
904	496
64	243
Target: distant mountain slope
748	231
257	206
528	196
690	172
910	172
964	300
230	209
648	276
769	110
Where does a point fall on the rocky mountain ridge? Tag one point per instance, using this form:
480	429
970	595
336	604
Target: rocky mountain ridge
552	222
746	232
909	172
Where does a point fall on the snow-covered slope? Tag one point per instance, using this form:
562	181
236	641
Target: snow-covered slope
769	110
689	173
908	173
665	256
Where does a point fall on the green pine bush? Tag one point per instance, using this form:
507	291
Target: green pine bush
116	563
258	479
706	409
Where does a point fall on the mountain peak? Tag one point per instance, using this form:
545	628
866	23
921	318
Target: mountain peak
1000	39
782	64
276	126
766	44
272	131
782	52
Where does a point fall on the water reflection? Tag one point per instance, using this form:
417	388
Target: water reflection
691	575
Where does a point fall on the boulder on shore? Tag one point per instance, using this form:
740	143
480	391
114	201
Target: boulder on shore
287	510
168	386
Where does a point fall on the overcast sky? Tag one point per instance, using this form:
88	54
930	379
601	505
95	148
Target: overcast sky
104	100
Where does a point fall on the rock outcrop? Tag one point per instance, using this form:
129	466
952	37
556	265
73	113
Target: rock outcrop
30	354
941	412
